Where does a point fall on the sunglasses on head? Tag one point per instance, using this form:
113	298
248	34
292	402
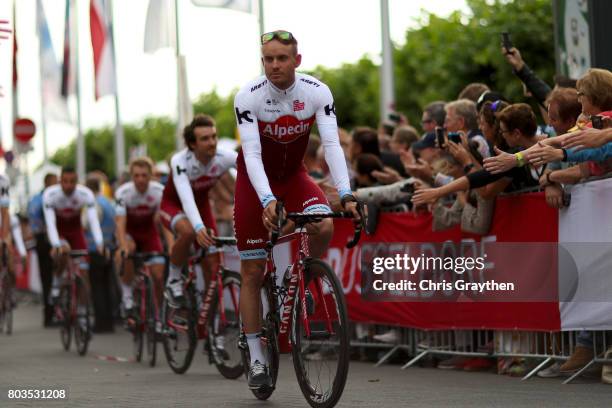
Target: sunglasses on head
283	36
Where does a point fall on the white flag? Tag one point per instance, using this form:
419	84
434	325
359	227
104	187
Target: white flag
240	5
50	71
160	26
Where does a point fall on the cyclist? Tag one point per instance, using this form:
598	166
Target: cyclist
62	205
5	225
185	207
275	114
137	205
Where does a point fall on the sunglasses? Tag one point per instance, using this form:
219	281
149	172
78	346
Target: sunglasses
283	36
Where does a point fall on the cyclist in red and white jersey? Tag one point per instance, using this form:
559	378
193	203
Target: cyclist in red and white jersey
62	204
185	207
136	207
275	114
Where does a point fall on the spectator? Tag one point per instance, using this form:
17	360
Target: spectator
43	248
489	125
365	140
310	158
364	165
403	137
433	115
461	116
473	91
103	296
536	87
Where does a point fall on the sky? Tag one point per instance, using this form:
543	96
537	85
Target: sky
221	48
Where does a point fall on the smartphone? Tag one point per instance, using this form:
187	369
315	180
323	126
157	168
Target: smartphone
506	42
597	122
440	136
394	117
454	137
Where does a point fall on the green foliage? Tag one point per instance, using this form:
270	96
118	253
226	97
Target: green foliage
220	108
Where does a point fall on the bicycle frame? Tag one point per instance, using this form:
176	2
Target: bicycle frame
296	286
72	271
144	273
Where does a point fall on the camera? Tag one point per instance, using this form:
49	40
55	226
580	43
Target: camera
440	137
597	122
454	137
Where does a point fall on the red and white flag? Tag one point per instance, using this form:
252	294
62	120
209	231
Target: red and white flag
101	42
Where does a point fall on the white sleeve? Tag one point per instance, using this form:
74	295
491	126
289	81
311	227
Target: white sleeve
4	192
251	148
49	213
328	129
185	193
92	217
17	237
120	209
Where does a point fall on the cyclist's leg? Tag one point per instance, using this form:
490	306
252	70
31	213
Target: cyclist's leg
179	254
151	242
308	197
60	262
127	278
252	276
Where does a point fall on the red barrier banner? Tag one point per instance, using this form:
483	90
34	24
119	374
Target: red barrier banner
518	219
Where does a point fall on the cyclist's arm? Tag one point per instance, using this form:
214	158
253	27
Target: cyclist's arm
185	193
334	155
18	237
120	220
251	148
4	205
94	222
50	221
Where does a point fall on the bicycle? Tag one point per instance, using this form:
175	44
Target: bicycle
313	327
215	320
70	319
146	307
6	294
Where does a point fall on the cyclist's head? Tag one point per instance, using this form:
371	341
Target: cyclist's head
141	171
201	136
68	180
280	57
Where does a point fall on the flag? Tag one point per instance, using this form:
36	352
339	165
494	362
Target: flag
68	86
50	71
99	19
240	5
159	26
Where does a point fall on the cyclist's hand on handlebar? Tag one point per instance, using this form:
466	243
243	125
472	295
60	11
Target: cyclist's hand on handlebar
57	251
350	204
269	217
205	238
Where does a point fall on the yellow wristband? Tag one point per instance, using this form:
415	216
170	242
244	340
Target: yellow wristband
520	159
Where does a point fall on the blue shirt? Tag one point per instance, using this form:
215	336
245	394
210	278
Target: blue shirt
107	223
36	216
597	154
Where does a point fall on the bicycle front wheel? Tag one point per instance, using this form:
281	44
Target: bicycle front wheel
82	324
179	332
320	343
62	314
150	326
224	328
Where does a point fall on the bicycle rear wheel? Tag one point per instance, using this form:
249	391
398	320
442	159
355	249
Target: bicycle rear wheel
321	360
82	324
150	325
224	330
63	315
136	322
179	332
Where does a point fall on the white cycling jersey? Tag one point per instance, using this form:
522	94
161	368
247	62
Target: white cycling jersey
274	125
191	180
64	212
139	208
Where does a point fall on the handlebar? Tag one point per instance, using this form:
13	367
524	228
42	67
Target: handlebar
302	218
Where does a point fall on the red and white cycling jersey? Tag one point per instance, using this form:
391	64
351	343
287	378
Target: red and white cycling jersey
139	208
63	214
274	126
191	180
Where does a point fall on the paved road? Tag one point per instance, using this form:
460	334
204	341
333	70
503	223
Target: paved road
32	357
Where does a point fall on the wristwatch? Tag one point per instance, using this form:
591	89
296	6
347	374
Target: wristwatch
346	198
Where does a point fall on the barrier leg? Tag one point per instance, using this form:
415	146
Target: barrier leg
583	369
387	356
535	370
414	360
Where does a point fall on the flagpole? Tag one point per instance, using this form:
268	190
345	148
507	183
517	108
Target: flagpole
43	115
261	28
387	98
80	153
178	136
119	135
